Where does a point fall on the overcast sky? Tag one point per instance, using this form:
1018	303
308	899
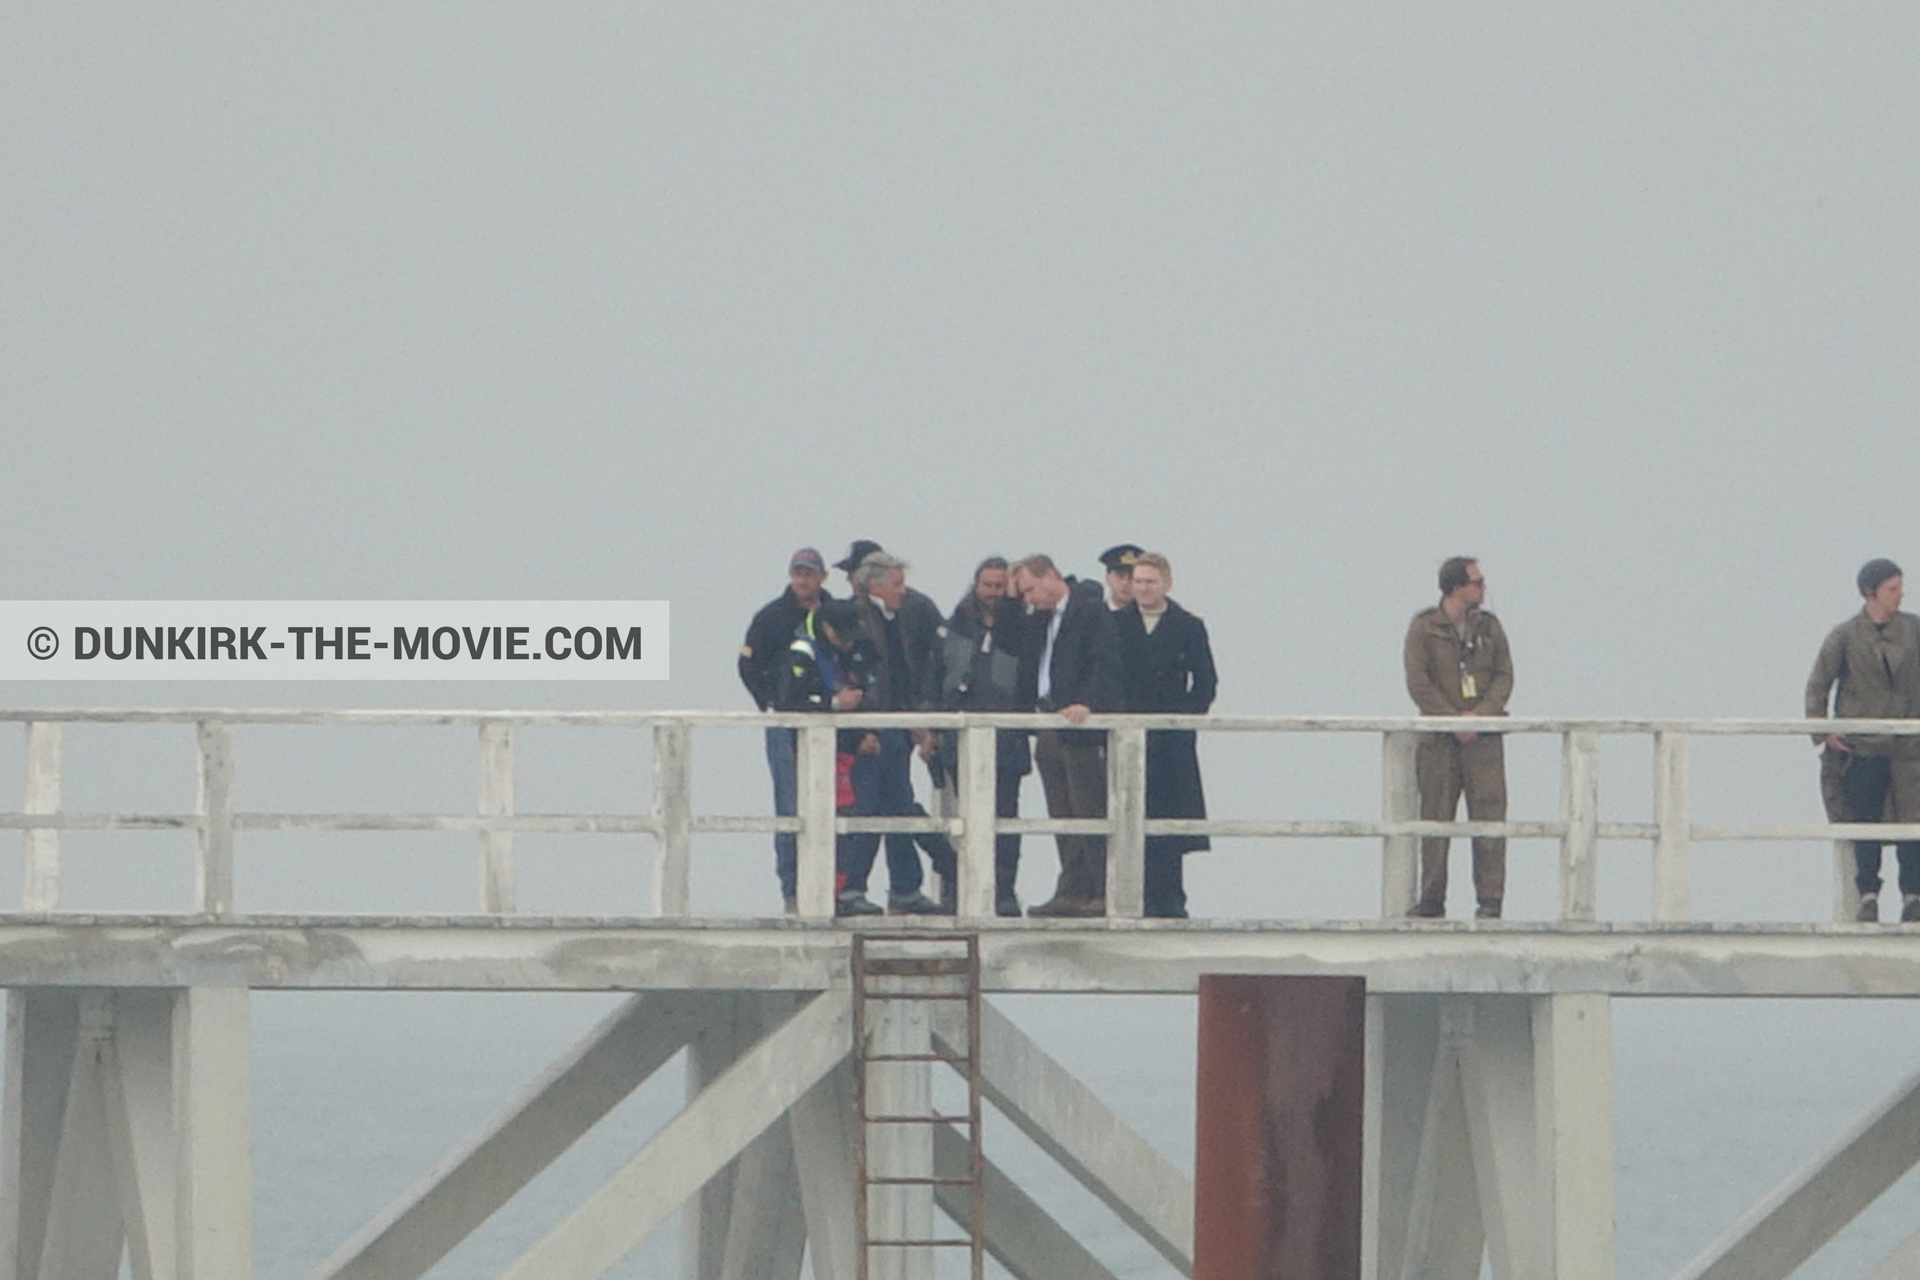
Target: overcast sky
471	301
463	301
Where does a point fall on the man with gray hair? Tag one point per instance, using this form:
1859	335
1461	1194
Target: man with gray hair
905	628
1870	666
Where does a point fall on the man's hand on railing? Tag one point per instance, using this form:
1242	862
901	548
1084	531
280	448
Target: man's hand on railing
1075	713
846	699
1837	743
1466	735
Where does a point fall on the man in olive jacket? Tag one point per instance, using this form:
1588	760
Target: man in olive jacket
1458	664
1874	659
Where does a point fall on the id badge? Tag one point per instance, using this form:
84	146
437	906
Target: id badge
1469	686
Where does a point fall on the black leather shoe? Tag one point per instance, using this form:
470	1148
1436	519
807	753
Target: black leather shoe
1076	907
1427	909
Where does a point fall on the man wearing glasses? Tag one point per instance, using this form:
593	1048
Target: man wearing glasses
1458	664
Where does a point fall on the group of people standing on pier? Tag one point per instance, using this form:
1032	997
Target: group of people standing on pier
1023	638
1027	638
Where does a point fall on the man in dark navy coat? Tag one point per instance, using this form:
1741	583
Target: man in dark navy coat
1072	666
761	655
1167	663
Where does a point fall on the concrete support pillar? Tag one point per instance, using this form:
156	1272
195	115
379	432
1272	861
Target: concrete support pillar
212	1133
718	1044
1490	1136
1573	1107
821	1124
745	1224
126	1133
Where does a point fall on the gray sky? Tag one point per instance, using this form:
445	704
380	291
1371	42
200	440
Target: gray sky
471	301
461	301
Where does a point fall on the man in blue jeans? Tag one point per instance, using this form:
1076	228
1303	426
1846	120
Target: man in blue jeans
904	632
768	635
1869	666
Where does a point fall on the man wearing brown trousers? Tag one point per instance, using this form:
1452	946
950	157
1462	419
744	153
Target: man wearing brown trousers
1458	664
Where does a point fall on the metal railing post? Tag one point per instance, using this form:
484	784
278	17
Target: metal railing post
1127	811
817	811
496	801
213	869
1673	816
1580	810
978	776
673	816
1399	802
40	868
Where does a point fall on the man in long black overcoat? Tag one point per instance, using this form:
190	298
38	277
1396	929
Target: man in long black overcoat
1167	666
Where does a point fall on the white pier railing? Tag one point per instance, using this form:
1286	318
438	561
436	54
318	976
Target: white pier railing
672	824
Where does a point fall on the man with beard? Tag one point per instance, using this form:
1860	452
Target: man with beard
981	672
1167	666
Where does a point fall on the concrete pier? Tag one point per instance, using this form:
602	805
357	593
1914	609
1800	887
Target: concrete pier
1486	1129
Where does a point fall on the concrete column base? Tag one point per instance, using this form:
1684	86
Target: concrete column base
1489	1136
126	1134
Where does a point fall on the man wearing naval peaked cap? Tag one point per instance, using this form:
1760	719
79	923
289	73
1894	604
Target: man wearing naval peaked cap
1119	564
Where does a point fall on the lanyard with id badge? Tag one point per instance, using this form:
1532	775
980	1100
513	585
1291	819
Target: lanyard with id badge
1469	683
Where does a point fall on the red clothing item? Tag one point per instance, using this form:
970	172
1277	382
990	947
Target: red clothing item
843	781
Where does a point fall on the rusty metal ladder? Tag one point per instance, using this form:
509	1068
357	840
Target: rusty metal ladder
905	967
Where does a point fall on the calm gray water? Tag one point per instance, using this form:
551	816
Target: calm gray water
1716	1101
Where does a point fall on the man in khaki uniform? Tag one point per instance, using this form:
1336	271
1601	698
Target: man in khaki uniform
1874	659
1458	664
